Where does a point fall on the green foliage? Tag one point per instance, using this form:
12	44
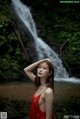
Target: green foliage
2	40
74	46
64	36
60	24
10	58
5	25
4	8
10	68
14	109
75	42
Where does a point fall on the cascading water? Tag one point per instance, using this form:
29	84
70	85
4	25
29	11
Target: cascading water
43	50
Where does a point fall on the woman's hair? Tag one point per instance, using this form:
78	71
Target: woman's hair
50	79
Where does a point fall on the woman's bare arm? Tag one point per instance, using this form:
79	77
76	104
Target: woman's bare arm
49	103
28	70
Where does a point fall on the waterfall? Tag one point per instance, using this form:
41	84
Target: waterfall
43	49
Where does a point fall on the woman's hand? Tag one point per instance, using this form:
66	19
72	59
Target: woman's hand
47	60
28	69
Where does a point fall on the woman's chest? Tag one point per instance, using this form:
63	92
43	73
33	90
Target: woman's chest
42	99
38	98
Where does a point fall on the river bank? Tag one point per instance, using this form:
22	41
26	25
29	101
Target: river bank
66	100
18	95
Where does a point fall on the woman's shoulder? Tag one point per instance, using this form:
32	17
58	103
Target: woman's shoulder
49	91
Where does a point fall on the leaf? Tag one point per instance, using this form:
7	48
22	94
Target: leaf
2	40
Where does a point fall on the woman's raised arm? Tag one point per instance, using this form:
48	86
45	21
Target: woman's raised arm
28	70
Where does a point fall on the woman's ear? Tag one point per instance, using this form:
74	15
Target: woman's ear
50	73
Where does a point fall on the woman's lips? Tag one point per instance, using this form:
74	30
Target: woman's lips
39	73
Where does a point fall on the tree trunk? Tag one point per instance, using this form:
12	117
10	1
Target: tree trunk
22	45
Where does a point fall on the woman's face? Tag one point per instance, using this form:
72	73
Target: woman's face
43	70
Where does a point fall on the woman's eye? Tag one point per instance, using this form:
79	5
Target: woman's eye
39	67
44	68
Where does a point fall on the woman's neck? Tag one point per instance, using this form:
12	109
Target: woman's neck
43	82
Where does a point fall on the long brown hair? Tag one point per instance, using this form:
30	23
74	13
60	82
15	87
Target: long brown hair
50	79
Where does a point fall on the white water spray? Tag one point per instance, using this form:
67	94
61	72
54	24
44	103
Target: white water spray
43	50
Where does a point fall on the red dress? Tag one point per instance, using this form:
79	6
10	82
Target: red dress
35	111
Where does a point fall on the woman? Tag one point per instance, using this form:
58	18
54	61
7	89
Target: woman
42	99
